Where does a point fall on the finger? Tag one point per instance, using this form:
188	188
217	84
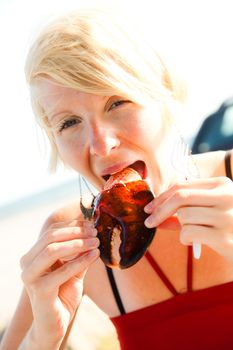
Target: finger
199	216
66	223
197	184
56	251
76	267
59	234
179	199
190	234
71	223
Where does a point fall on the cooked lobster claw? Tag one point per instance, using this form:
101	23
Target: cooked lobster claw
119	219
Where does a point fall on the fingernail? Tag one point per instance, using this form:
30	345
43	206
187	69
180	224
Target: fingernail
91	231
93	253
148	222
148	208
93	242
88	223
94	232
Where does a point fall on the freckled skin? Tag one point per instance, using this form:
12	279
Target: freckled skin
101	136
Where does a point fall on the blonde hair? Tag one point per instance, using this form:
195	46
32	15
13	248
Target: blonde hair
91	51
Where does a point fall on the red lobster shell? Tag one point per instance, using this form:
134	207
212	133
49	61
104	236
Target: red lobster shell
119	219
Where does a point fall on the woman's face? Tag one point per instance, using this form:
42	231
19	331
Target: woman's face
100	135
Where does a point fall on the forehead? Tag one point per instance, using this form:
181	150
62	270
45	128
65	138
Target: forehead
52	97
49	93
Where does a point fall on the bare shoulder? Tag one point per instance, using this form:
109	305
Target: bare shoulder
68	212
212	164
65	213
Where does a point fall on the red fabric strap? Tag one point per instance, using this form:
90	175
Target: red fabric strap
190	269
161	274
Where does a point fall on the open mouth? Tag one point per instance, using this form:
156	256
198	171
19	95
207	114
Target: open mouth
138	166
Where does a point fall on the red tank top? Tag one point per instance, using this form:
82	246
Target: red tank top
195	320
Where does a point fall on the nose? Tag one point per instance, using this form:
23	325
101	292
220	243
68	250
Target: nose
102	141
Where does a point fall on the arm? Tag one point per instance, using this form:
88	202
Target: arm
20	324
202	209
55	308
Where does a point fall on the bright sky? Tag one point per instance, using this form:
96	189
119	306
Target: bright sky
204	32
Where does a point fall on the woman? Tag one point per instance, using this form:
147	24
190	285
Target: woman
106	100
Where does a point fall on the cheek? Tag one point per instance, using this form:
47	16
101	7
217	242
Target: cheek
72	153
148	128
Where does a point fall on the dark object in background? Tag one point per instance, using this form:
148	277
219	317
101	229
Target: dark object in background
216	132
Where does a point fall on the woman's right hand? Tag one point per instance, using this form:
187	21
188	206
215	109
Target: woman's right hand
53	271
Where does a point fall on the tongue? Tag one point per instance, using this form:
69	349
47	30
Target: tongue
123	176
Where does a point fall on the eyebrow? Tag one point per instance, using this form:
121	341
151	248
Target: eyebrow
54	116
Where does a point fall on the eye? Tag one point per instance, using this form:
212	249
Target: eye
118	103
68	123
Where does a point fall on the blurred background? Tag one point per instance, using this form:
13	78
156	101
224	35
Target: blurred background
199	33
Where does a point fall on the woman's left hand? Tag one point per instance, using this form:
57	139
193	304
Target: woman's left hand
204	208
